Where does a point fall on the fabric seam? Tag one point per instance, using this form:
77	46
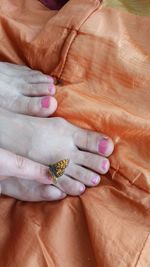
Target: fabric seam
136	264
75	30
84	214
126	178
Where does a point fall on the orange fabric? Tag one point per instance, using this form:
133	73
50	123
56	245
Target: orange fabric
102	57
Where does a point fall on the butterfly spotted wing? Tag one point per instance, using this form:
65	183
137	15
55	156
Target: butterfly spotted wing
56	170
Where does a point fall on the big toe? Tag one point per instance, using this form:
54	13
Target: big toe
93	142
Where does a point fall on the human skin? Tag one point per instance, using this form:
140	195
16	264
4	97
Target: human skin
26	91
39	139
26	172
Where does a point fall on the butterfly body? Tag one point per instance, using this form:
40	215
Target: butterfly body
57	169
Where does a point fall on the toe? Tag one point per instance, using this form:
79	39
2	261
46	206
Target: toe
105	146
41	87
22	71
38	77
85	176
70	186
93	162
38	89
13	69
51	193
48	106
93	142
35	106
25	73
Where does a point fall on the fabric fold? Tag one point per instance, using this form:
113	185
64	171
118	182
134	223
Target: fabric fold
100	54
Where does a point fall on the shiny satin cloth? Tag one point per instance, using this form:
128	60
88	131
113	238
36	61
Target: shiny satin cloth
101	54
54	4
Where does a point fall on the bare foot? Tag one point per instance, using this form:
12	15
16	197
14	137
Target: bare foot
49	140
26	91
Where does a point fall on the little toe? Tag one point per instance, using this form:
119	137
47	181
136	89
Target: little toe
35	106
70	186
85	176
93	162
93	142
51	193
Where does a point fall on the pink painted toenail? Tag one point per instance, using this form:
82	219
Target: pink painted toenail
63	195
103	144
95	180
50	79
82	188
45	102
51	88
105	165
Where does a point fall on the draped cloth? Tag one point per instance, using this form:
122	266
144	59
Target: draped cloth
54	4
100	54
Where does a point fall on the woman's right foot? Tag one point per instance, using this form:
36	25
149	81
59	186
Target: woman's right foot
48	141
26	91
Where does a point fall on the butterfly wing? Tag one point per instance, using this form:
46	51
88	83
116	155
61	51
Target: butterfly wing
58	169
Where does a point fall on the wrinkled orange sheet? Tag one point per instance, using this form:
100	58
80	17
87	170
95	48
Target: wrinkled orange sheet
102	56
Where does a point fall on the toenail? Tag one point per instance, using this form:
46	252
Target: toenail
63	194
45	102
51	88
82	188
96	179
50	79
105	165
103	144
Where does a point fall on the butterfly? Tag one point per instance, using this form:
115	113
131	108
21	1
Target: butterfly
57	169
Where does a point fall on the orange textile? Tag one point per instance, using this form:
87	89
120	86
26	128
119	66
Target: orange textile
101	54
